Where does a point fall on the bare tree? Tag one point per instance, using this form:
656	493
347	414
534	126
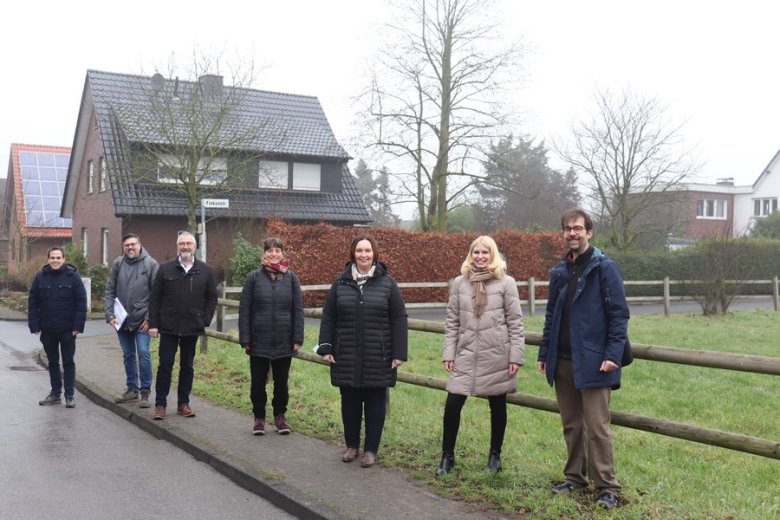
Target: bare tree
185	135
434	102
634	159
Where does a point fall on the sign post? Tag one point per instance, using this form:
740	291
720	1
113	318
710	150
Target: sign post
208	203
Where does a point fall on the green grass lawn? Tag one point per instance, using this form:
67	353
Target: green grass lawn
663	478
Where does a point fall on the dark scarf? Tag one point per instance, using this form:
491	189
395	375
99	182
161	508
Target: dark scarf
276	271
478	277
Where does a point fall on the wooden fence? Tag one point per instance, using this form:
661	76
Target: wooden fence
530	305
733	441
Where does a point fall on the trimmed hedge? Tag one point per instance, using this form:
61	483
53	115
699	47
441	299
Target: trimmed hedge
319	252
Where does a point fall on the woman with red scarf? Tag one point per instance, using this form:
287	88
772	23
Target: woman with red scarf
270	326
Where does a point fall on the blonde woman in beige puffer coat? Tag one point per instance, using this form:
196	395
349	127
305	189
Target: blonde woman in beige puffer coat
484	342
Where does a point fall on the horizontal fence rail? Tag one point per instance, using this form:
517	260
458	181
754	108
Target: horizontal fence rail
532	284
707	359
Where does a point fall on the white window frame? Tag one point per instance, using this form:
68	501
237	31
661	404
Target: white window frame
211	170
104	246
307	176
85	243
90	176
764	207
102	174
712	209
273	175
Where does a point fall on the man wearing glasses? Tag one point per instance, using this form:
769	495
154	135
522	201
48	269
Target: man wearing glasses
582	344
127	293
181	305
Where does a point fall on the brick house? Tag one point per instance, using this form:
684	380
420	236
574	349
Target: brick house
31	220
698	210
294	169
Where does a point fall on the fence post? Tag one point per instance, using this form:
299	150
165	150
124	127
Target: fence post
204	344
667	298
221	308
531	296
775	296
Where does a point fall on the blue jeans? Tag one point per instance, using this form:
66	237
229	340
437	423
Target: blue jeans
136	343
53	343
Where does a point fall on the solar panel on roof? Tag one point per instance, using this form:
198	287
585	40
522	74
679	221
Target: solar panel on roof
43	181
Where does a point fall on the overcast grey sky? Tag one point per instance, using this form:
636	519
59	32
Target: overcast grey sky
713	63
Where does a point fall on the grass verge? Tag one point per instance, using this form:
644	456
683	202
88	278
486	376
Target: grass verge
663	478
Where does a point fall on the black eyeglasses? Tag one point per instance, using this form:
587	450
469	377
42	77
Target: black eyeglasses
577	229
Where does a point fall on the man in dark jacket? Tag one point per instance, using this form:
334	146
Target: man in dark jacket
129	283
582	345
181	305
57	311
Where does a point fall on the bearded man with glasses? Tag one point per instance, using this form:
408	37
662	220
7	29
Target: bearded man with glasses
582	345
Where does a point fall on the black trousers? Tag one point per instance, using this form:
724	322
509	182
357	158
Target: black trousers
168	346
354	403
452	409
258	369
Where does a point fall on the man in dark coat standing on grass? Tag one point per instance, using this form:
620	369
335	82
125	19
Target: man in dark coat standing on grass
582	346
181	305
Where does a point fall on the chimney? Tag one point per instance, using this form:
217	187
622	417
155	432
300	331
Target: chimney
158	83
211	86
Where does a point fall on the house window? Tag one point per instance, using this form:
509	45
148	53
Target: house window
90	176
712	208
273	175
84	242
306	176
104	246
211	170
102	174
764	207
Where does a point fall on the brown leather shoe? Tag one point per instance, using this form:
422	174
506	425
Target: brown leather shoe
159	413
369	459
350	455
185	410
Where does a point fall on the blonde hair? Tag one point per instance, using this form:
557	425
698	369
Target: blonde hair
497	265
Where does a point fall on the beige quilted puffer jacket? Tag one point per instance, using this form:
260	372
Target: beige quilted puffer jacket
482	348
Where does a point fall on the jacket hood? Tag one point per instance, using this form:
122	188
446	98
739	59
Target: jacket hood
65	269
381	269
143	254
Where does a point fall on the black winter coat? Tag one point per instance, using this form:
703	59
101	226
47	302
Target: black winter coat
57	301
182	303
364	331
270	314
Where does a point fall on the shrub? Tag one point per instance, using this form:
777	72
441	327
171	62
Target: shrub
99	274
74	255
246	258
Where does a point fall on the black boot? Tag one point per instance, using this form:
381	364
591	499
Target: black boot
446	464
494	462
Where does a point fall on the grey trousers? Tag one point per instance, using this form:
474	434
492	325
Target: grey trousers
585	417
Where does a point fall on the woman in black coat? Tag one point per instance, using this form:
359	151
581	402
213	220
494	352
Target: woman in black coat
270	325
57	311
363	336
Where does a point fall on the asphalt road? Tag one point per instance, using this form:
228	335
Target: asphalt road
88	463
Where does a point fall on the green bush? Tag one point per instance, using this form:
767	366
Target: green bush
74	255
246	258
99	275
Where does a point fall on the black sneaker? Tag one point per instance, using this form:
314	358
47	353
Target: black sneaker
567	487
50	399
607	500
